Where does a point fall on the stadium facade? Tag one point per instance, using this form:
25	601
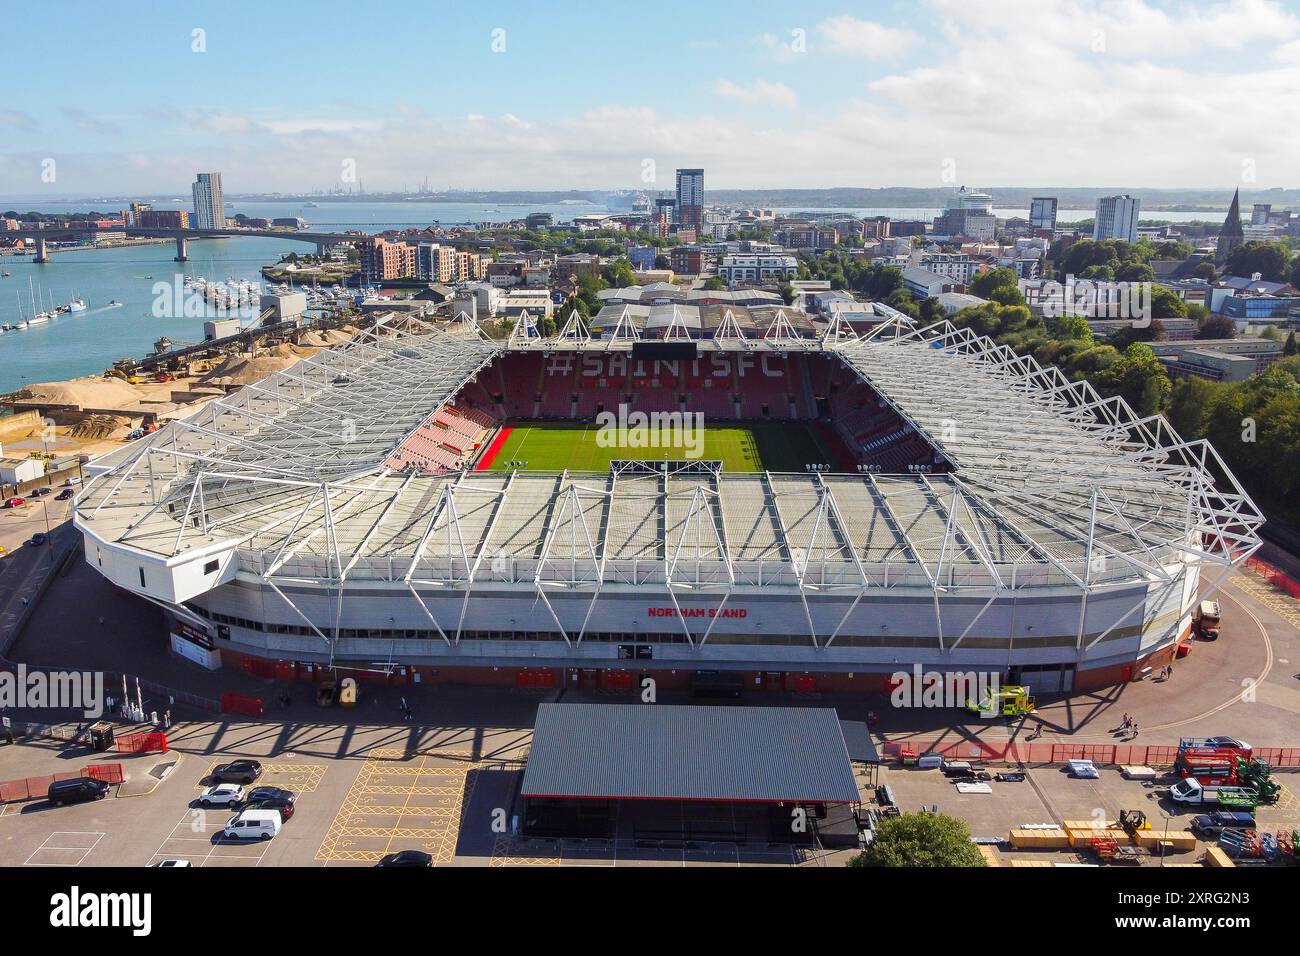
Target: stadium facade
991	515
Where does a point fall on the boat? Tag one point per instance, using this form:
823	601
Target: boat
114	302
39	318
306	205
76	304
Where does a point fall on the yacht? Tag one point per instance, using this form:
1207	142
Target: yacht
76	304
39	318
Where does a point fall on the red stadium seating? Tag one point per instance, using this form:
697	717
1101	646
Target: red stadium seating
723	386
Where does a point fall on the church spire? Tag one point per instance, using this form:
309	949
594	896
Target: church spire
1231	235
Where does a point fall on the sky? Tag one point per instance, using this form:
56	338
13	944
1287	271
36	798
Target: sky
134	97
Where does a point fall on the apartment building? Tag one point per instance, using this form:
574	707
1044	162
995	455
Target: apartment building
382	260
758	268
435	262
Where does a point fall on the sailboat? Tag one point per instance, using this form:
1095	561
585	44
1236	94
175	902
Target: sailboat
76	304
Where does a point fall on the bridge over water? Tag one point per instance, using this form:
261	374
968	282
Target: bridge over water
182	237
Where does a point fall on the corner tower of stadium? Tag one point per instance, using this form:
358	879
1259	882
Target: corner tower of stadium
898	496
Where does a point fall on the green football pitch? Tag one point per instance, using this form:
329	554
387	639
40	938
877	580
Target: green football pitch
550	447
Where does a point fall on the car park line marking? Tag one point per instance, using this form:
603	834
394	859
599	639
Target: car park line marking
1286	608
364	819
210	838
67	837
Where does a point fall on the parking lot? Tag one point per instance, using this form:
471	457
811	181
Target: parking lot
1049	795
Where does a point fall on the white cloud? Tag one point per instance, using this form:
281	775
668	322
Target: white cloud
863	38
1021	98
293	127
17	119
760	91
781	49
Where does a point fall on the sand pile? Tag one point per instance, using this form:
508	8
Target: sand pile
237	370
85	393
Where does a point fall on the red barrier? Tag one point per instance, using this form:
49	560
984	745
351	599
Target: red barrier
107	772
239	704
1153	755
1274	576
142	744
36	788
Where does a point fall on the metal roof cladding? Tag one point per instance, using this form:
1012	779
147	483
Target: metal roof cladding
662	752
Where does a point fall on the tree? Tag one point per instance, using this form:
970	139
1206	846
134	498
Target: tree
1189	404
1290	348
1295	272
1135	272
985	283
662	262
1217	327
715	284
619	274
921	840
1071	327
1206	271
1138	377
1165	304
1269	259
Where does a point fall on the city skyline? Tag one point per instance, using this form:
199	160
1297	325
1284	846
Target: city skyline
830	95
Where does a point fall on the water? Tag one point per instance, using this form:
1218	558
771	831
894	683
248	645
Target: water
86	343
341	216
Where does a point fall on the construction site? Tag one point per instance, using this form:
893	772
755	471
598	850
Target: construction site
93	415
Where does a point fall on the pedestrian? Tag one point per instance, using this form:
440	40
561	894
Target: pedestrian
1127	722
1135	728
402	705
408	713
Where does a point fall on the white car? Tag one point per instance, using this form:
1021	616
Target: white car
72	481
1083	769
172	863
222	795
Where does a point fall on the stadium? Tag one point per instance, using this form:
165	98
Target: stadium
426	504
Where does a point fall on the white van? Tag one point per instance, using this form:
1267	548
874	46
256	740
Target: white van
253	825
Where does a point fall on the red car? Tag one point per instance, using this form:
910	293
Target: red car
15	502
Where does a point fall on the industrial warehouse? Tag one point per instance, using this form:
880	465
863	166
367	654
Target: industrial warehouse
970	510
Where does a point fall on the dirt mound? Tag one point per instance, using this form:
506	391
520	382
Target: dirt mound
237	370
85	393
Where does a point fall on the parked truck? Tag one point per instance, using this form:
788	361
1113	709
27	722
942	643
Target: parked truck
1206	620
1192	792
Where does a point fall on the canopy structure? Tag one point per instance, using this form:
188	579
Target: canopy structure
1052	486
662	752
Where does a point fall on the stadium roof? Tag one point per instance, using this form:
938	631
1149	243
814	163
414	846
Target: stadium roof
1052	486
661	752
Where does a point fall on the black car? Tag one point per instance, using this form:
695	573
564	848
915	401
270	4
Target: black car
237	771
1009	776
406	858
76	790
63	495
40	492
38	539
271	798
